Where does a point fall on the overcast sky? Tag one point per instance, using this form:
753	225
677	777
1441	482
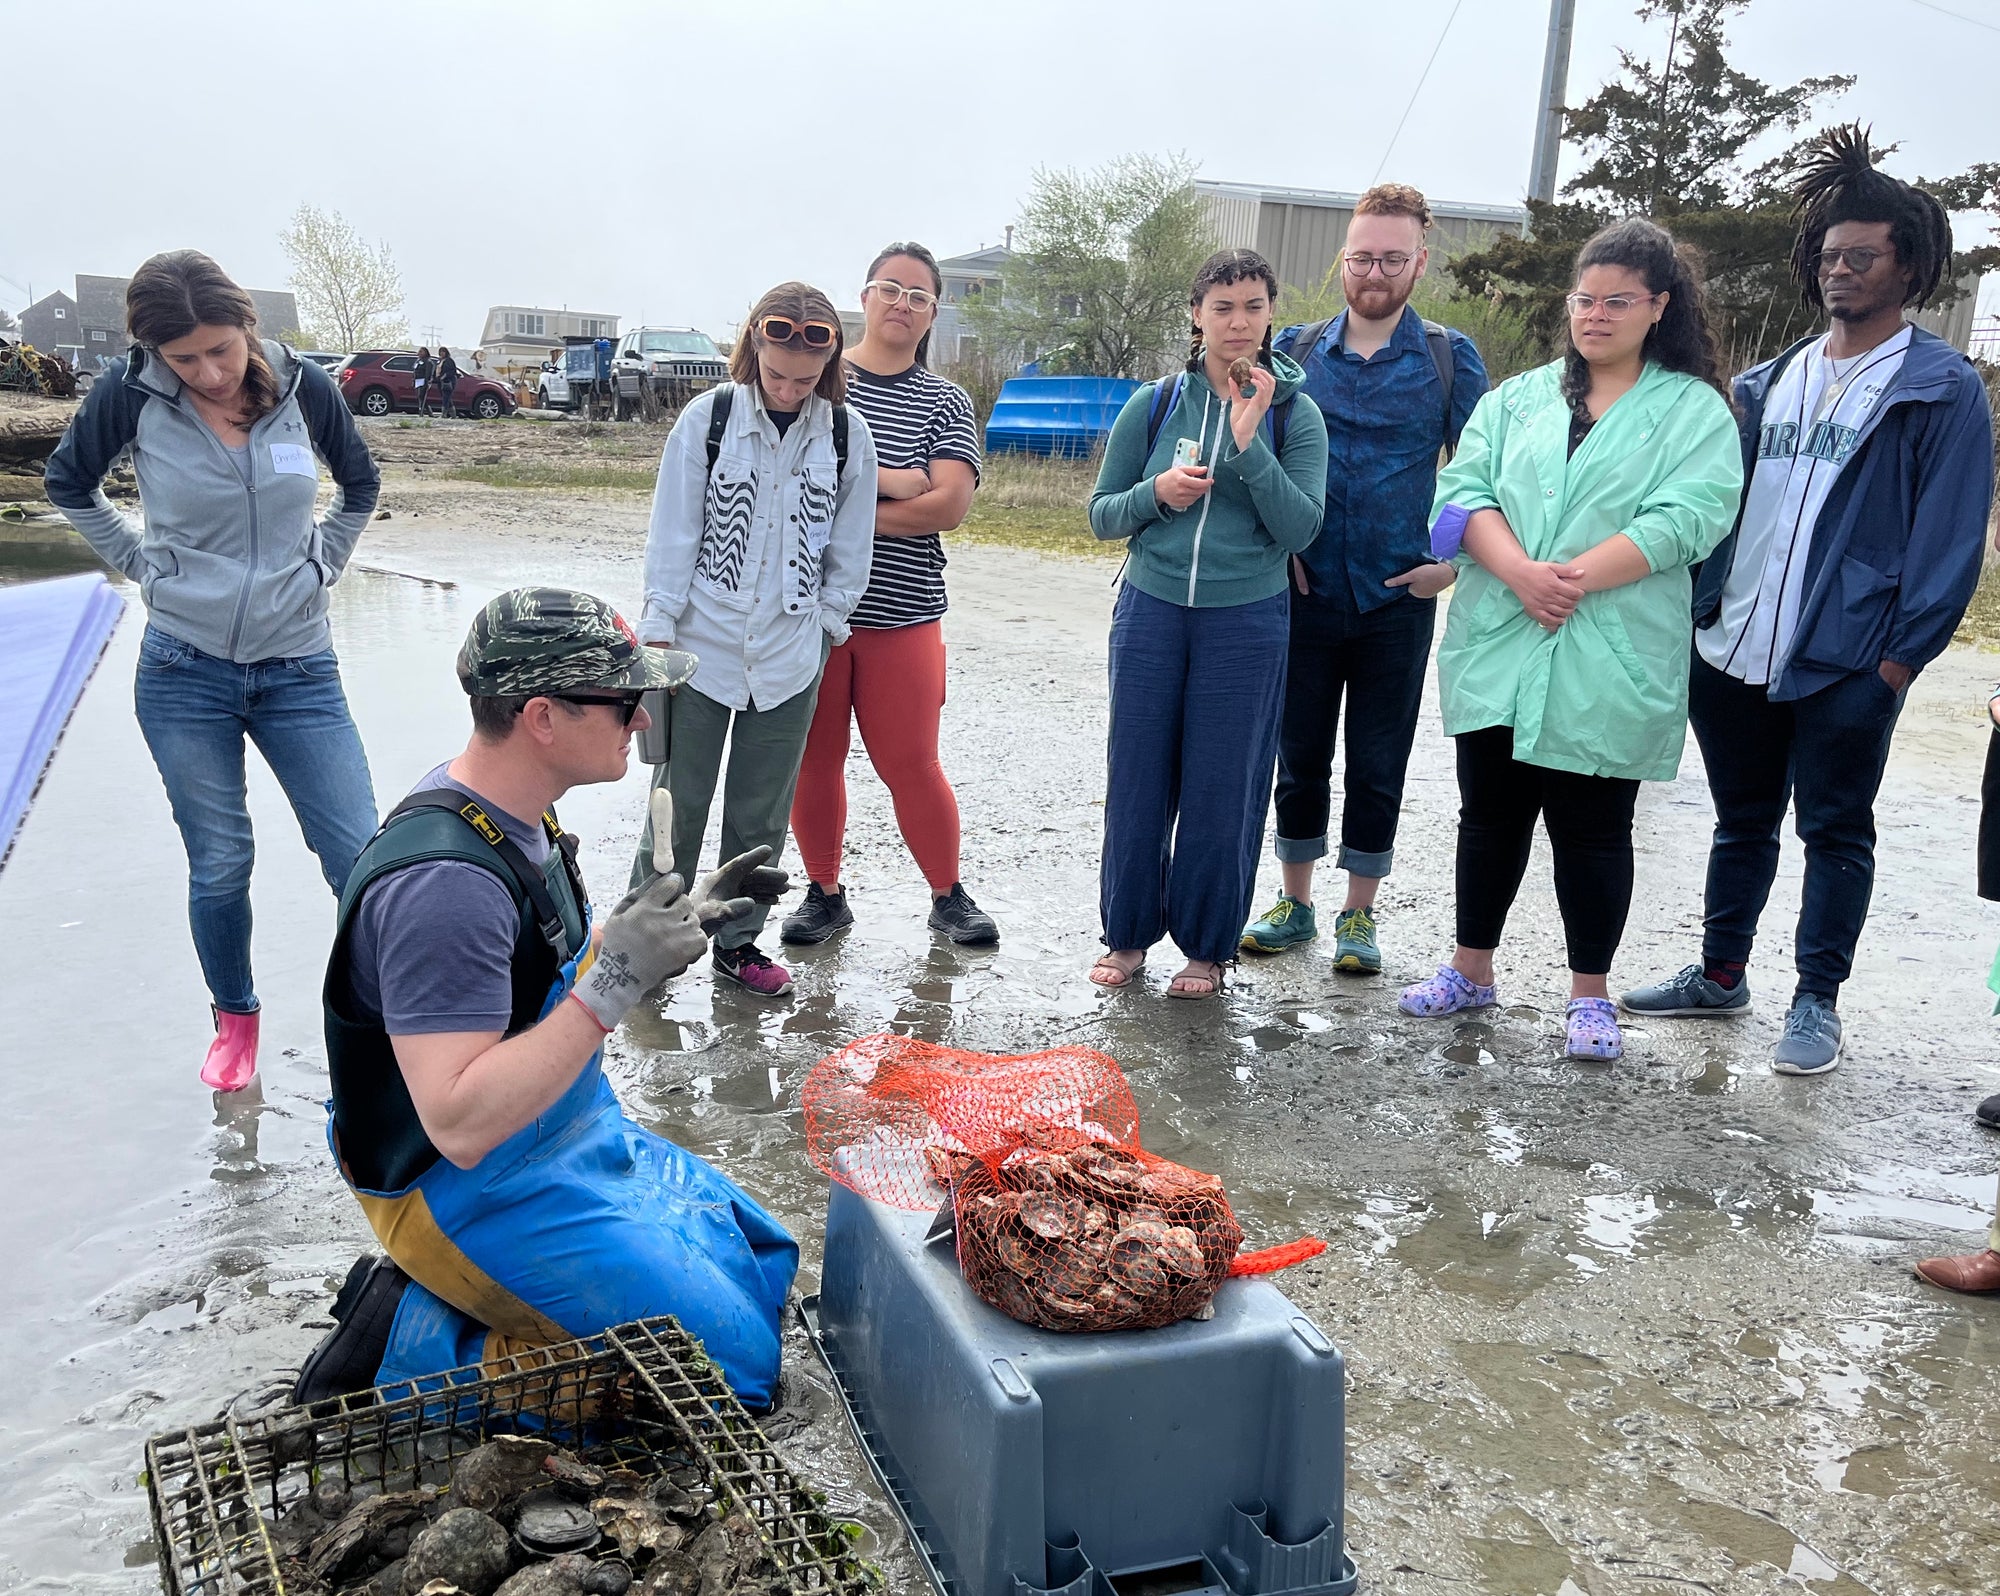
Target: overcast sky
667	162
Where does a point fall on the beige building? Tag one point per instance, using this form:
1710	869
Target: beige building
518	338
1300	231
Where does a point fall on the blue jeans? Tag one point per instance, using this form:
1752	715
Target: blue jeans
195	710
1823	757
1195	700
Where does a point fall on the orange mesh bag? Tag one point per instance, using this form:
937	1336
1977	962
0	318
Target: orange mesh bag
1063	1220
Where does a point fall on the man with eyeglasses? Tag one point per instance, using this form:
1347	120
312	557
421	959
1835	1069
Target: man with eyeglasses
1868	463
467	1003
1396	390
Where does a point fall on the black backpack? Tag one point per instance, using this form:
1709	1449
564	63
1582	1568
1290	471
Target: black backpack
718	423
1436	337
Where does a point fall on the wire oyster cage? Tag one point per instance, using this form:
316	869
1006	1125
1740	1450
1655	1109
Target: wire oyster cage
641	1396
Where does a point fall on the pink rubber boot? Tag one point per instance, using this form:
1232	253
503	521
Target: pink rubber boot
232	1056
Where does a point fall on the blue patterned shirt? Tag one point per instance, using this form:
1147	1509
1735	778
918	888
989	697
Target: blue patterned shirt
1385	431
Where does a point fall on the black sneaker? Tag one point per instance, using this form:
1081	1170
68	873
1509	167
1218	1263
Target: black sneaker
350	1355
816	919
958	917
1988	1113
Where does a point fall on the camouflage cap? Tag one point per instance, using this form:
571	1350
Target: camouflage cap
536	640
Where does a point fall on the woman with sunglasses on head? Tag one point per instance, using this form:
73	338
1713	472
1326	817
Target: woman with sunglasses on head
889	677
227	431
1215	477
755	559
1580	495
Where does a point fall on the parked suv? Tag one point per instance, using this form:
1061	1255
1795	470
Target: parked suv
679	362
379	382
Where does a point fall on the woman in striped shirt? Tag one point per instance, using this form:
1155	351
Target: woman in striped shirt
889	675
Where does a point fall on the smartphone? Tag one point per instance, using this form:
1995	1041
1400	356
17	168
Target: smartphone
1187	453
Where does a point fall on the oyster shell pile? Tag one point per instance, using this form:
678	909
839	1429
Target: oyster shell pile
523	1517
1091	1236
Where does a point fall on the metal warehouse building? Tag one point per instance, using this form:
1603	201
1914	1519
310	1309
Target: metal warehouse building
1300	231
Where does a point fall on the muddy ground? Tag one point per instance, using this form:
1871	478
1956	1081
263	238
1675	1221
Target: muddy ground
1644	1327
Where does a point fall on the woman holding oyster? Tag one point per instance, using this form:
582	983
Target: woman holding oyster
1214	477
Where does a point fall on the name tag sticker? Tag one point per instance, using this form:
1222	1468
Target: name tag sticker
293	460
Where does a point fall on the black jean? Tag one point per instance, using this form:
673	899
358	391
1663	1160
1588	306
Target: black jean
1823	755
1589	820
1378	660
446	389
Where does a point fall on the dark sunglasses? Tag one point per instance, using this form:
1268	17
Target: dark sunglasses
628	703
811	334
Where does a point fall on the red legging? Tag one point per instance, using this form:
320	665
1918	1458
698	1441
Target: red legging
892	683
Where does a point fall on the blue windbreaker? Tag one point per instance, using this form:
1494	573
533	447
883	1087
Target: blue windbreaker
1896	550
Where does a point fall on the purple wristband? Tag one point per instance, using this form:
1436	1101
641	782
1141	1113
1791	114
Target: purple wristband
1448	531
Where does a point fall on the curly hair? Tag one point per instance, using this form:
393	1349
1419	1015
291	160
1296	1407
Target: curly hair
1395	199
174	293
1683	339
1227	266
1838	181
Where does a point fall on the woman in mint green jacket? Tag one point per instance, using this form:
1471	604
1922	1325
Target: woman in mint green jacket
1582	493
1214	482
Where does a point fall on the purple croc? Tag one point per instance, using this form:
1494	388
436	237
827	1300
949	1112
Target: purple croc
1592	1024
1447	992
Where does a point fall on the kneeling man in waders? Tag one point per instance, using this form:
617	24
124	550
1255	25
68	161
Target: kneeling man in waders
467	1003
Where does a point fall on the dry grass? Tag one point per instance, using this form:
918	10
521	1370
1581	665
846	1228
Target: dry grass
1024	501
1981	626
1037	502
529	474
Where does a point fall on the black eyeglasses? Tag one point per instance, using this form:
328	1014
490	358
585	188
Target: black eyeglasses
1858	260
1389	265
627	703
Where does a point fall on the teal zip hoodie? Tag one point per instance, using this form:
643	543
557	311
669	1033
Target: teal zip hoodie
1232	545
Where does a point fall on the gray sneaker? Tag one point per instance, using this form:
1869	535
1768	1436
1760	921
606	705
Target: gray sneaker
1688	993
1811	1043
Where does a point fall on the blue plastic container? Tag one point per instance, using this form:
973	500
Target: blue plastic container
1201	1457
1056	415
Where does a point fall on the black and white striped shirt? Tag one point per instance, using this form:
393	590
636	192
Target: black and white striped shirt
915	417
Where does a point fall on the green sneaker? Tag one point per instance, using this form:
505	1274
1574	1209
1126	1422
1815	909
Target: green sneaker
1285	924
1354	948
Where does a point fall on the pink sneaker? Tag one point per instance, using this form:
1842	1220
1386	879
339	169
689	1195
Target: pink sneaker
232	1056
748	967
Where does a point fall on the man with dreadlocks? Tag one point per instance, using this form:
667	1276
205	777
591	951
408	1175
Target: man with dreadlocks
1868	463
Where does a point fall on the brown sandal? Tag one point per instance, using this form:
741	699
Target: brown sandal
1125	976
1215	982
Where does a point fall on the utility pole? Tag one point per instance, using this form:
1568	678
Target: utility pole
1555	87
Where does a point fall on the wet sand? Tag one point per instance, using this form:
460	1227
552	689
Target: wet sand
1639	1327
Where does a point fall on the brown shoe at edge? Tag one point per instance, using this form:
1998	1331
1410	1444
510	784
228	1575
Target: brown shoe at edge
1972	1272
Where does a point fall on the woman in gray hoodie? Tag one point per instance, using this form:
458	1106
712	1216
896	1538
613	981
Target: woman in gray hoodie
226	433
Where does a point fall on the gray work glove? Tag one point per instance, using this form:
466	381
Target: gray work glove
735	889
732	890
651	935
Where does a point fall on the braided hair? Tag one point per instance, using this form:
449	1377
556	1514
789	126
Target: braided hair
1683	339
1230	266
1838	181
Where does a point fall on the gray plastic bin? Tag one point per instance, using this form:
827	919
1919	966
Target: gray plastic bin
1201	1457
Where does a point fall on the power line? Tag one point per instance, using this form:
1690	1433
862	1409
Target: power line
1960	16
1419	89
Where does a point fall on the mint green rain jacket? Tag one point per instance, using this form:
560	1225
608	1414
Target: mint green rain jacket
1606	693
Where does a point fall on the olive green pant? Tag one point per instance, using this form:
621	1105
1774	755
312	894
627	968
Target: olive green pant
765	746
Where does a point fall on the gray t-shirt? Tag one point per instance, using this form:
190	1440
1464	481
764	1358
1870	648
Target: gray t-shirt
432	945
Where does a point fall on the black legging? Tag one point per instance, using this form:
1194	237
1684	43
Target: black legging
1589	820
